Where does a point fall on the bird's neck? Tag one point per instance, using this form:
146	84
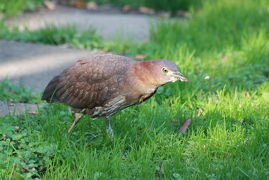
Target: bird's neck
143	72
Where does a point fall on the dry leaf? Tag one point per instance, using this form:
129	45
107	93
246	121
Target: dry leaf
224	58
79	4
126	8
4	137
26	169
145	10
50	5
92	5
184	127
140	57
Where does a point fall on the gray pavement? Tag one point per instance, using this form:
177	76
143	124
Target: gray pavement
109	25
33	65
8	108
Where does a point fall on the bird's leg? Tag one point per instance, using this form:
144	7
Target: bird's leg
109	130
78	116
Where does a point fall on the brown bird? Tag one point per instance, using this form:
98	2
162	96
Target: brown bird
103	85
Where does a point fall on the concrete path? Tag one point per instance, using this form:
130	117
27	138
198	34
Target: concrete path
33	65
109	25
8	108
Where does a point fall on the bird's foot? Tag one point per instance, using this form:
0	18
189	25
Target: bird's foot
78	116
110	132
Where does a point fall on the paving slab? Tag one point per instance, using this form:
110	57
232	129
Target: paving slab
34	65
109	25
10	108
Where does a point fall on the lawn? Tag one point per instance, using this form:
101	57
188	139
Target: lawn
229	134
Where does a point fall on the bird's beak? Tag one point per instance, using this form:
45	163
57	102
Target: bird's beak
180	76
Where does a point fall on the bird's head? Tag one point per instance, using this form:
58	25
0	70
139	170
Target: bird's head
167	71
163	71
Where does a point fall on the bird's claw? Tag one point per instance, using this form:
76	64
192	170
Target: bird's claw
110	132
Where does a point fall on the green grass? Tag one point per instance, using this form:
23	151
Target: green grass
228	137
15	93
16	7
54	35
216	27
166	5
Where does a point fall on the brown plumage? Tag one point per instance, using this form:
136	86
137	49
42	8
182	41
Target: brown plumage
102	85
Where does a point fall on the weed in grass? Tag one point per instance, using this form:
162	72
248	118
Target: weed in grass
15	93
15	7
55	36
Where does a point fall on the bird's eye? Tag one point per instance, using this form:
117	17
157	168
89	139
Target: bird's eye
165	70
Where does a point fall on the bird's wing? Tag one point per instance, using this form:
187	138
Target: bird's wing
89	83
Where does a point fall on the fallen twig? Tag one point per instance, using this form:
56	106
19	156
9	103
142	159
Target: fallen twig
184	127
12	171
